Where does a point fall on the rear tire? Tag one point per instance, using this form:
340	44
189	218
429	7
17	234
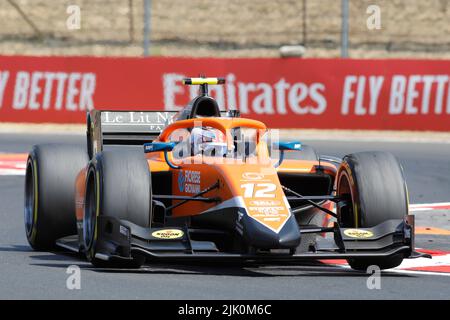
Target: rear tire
118	185
50	193
375	184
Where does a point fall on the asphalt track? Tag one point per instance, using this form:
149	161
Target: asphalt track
42	275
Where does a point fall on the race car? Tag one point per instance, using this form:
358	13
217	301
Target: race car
205	184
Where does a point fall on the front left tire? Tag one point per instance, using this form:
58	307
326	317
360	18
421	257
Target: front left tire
118	185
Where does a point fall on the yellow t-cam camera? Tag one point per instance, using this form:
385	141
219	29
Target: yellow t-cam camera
200	81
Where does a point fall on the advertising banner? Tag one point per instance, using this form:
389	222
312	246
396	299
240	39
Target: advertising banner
284	93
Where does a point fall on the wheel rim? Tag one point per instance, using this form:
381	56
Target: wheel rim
90	212
30	198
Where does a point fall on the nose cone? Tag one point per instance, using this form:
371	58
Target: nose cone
261	237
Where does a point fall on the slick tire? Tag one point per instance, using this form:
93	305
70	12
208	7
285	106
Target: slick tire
50	193
375	184
118	185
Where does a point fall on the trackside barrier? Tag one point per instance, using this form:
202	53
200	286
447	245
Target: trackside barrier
284	93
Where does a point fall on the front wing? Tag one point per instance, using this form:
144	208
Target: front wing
120	240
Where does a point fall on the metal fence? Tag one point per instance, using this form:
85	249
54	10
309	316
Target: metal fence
222	28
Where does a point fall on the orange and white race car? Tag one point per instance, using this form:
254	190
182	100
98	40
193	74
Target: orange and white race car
210	185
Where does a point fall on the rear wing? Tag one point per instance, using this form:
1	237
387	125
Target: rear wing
124	127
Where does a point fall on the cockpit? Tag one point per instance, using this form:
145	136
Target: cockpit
208	141
200	130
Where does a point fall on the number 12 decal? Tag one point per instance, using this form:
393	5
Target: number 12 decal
259	190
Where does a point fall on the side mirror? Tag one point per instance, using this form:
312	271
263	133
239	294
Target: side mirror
294	145
158	146
283	146
161	146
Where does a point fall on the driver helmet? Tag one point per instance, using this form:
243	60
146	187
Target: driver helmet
208	141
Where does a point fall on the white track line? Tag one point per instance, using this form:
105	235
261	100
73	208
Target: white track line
12	172
401	271
416	272
408	264
429	206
